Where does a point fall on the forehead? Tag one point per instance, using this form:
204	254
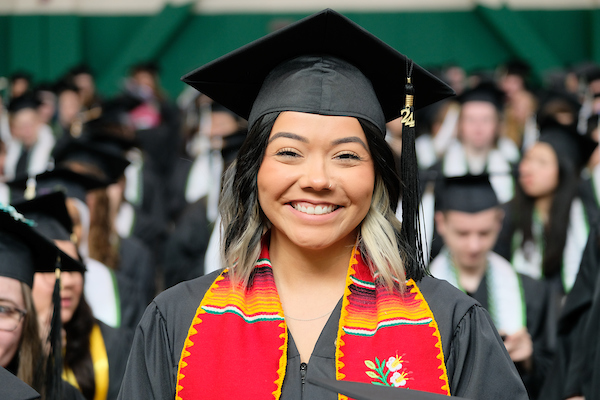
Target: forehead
543	150
471	108
10	289
472	221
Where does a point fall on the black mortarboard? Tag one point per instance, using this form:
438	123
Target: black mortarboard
106	156
485	91
567	143
20	75
73	184
518	67
52	220
25	101
15	389
23	251
557	101
323	64
366	391
50	214
470	194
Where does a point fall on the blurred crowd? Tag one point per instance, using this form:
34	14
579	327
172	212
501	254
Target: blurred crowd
128	189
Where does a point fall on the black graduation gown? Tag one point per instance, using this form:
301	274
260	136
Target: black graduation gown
135	279
118	344
477	363
541	325
576	361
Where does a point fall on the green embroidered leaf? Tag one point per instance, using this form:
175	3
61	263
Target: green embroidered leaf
372	374
378	362
378	383
370	364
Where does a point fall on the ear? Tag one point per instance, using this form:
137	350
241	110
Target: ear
500	217
440	223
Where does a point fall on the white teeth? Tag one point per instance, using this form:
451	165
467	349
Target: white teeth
318	210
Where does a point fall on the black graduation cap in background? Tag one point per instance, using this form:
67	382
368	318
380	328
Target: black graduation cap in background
52	220
28	100
336	83
469	193
567	143
15	389
23	251
366	391
105	155
50	214
486	91
554	101
71	183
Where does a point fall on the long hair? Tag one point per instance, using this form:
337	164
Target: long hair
103	239
555	231
31	360
77	352
244	223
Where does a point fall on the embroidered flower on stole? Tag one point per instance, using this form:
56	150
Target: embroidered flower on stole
381	370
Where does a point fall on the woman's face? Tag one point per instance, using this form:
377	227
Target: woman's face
11	296
538	171
70	291
316	180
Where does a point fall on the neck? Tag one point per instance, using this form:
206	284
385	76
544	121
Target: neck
542	206
470	276
471	151
297	268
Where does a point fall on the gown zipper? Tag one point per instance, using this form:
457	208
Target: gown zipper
303	368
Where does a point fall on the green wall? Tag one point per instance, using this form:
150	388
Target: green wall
180	40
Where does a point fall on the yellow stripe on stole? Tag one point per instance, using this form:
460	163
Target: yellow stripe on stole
100	361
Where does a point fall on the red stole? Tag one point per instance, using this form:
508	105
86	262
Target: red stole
237	342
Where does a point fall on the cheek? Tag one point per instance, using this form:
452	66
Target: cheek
9	344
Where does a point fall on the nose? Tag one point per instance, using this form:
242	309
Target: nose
474	244
316	175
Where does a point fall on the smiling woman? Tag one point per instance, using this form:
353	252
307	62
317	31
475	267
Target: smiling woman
321	280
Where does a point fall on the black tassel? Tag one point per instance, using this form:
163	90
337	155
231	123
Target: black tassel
54	363
409	174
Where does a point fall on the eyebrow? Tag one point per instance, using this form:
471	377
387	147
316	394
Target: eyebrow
289	136
349	139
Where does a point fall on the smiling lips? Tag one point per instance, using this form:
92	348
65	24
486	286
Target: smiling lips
311	209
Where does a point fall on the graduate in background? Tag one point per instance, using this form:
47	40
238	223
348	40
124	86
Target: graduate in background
476	150
546	228
469	220
24	252
192	250
31	142
95	354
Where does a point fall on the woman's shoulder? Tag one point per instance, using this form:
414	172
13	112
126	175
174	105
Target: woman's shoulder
448	304
184	297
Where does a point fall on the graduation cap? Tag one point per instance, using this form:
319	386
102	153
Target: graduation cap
23	251
73	184
469	193
15	389
553	102
324	64
366	391
104	155
26	101
52	220
486	92
567	143
50	214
